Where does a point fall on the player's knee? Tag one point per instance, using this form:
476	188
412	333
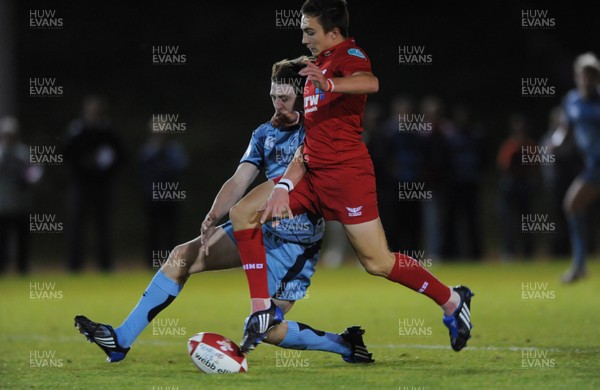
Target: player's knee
177	264
238	215
375	267
285	306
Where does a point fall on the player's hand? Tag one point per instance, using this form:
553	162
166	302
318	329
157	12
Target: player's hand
313	73
284	118
277	207
207	230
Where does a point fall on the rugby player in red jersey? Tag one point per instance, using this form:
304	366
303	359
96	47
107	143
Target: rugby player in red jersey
333	175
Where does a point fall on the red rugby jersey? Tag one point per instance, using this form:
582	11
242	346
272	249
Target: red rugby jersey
333	120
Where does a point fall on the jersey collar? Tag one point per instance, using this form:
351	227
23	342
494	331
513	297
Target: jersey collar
287	129
348	42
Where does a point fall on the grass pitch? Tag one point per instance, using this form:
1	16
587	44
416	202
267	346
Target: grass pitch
530	331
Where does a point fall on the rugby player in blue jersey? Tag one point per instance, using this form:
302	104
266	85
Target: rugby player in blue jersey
292	247
581	116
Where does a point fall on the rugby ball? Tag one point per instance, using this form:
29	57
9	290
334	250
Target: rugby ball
216	354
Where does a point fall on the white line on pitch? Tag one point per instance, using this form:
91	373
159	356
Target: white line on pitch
164	342
485	348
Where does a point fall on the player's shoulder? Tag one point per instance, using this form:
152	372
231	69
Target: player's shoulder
356	52
351	50
572	96
264	129
349	58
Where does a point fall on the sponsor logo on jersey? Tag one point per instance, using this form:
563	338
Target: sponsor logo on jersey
356	53
253	266
354	211
311	102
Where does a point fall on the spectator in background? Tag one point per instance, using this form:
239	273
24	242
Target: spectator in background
162	160
557	177
461	202
401	160
516	187
16	178
93	153
581	106
437	163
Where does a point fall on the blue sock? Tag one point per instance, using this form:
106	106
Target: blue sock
158	295
301	336
578	239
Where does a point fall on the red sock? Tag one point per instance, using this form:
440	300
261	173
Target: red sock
254	259
408	272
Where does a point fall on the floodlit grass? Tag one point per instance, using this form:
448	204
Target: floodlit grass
530	331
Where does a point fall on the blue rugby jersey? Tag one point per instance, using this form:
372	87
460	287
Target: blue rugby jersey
273	149
584	118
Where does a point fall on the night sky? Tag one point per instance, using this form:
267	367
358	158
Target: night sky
480	53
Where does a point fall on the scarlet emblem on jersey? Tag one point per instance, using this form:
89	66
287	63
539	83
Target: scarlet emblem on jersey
354	211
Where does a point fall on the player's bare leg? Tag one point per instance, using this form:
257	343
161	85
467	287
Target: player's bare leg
245	217
183	260
180	260
369	243
245	214
578	198
187	259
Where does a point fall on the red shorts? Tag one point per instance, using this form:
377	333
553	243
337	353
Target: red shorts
341	193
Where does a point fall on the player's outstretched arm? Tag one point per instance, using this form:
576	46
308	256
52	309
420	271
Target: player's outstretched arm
231	192
559	135
562	131
278	203
356	83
